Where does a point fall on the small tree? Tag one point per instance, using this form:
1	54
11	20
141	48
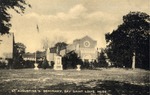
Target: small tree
45	63
20	47
102	59
70	60
60	46
19	50
45	43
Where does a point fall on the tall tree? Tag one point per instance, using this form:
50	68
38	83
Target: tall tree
19	50
45	43
131	37
17	5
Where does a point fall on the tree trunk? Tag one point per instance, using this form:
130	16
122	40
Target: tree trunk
133	61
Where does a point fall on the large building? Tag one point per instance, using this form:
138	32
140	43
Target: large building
86	48
6	46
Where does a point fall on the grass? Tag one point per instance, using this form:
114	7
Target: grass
112	81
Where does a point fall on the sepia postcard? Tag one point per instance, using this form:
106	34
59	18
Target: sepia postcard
74	47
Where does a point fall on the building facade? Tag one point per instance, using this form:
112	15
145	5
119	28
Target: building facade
36	56
6	46
86	48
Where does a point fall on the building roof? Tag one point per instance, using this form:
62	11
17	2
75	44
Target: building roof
28	55
88	38
85	37
39	54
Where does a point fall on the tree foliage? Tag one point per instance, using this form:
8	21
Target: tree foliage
17	5
70	60
102	59
45	43
45	64
60	46
19	50
132	36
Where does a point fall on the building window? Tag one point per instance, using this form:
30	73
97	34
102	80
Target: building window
87	44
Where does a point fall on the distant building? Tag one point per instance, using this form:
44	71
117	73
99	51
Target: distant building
6	46
31	56
86	48
28	56
40	55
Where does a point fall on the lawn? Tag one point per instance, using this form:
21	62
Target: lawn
112	81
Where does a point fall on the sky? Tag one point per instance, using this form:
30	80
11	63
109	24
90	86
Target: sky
67	20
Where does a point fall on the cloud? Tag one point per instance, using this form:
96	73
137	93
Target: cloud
74	23
76	18
101	15
77	11
62	21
